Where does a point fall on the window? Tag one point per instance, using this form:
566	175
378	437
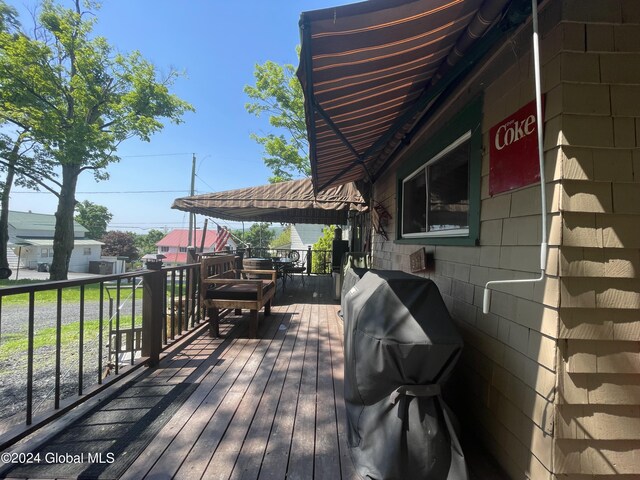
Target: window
87	251
44	252
164	249
436	196
439	184
183	249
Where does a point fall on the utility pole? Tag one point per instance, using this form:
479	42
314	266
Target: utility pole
193	185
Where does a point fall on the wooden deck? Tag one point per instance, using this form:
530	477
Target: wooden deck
266	408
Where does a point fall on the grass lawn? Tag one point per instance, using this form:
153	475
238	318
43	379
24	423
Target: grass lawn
16	344
70	294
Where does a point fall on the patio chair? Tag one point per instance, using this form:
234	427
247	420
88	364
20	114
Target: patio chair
295	267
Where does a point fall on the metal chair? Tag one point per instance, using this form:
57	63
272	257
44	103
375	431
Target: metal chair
296	266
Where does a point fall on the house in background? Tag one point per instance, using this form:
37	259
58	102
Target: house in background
174	245
31	243
304	235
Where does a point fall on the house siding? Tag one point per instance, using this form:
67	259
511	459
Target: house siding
305	235
549	379
598	404
79	262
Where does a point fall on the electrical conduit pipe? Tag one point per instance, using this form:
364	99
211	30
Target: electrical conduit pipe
544	245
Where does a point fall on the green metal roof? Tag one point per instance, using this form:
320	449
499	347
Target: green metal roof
38	221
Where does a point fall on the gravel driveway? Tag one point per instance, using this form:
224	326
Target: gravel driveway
13	370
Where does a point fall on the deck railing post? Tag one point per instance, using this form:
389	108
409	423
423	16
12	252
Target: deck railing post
308	260
152	315
192	285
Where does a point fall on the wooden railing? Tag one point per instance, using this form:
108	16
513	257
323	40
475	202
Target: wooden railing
62	342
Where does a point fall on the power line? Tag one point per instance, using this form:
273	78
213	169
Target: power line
158	222
156	155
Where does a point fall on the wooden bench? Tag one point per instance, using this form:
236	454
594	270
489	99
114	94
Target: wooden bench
223	286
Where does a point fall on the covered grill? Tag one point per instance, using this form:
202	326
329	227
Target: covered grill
400	345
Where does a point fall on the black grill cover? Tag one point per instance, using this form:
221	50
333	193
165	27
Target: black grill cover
400	345
351	277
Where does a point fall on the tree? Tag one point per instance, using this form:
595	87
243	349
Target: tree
79	99
120	244
284	239
319	262
278	93
94	218
147	243
8	18
19	155
259	236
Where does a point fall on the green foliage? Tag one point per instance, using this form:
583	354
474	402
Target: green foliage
259	235
278	93
284	239
94	218
8	18
320	262
26	161
120	244
78	99
147	243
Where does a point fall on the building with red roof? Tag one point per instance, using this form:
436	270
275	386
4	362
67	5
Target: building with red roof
174	245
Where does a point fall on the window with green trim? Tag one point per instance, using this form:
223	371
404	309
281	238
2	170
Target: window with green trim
436	197
439	186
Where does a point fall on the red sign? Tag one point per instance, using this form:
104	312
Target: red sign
513	151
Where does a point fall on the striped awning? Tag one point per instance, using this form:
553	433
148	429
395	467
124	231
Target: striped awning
370	70
284	202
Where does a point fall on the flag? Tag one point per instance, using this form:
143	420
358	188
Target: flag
221	240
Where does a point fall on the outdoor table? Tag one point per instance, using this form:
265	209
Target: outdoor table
281	264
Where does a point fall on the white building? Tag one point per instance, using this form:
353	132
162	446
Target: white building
304	235
31	241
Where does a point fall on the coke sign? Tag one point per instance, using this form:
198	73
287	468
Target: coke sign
513	151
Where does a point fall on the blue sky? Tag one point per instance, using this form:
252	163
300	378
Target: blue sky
217	43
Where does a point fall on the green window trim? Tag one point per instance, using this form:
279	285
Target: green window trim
468	119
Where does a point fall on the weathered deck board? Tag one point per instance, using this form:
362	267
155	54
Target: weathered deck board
224	459
327	453
252	451
276	457
302	443
179	434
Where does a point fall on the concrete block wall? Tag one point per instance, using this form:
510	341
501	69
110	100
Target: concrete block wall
550	378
